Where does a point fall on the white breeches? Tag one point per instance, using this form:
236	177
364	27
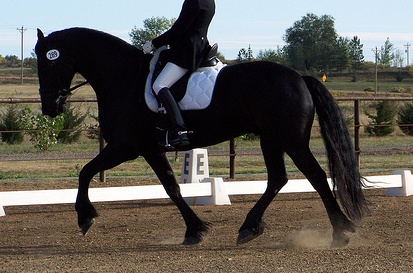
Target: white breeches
168	76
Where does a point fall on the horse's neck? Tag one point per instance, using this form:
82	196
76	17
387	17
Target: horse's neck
115	72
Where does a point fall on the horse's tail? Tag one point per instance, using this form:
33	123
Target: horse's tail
344	171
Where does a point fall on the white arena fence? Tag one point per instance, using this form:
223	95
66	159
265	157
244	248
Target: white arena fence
196	186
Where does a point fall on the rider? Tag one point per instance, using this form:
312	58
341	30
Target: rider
188	42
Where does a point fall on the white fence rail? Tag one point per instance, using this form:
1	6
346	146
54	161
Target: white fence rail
197	187
209	191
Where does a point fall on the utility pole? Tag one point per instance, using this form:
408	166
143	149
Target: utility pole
407	52
22	30
376	54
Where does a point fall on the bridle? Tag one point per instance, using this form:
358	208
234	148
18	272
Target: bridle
64	94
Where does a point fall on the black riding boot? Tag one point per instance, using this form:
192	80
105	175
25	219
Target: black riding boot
178	135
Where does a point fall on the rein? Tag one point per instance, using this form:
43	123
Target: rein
64	94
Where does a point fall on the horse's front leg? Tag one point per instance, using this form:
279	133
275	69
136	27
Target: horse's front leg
108	158
195	227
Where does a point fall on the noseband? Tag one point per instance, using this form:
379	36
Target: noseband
64	94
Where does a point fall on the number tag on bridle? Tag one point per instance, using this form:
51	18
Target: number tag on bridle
53	54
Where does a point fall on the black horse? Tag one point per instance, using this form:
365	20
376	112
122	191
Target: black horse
264	98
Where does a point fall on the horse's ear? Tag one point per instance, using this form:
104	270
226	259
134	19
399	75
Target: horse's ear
41	41
40	35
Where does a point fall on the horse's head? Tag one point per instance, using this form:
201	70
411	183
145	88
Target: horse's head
55	70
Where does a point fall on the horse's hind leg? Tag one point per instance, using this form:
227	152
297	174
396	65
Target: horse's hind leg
308	165
253	225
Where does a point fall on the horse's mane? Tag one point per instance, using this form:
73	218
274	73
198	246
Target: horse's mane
84	36
79	32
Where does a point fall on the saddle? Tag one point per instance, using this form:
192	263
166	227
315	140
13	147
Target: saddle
194	90
179	88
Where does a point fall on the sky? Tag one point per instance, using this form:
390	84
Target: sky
237	24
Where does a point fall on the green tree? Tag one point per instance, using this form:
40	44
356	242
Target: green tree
311	42
2	60
10	122
398	60
342	54
356	55
382	122
72	125
152	28
386	55
245	55
43	130
12	61
276	56
405	119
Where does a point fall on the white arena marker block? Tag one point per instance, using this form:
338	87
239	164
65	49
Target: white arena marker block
195	166
407	184
2	212
219	193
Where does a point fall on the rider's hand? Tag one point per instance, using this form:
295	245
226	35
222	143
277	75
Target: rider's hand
148	47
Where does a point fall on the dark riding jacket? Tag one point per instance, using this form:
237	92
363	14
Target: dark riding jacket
188	35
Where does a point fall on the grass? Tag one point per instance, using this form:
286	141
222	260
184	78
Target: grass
28	90
246	165
383	86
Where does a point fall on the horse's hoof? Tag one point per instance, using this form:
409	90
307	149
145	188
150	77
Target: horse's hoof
191	241
196	234
86	226
247	235
340	241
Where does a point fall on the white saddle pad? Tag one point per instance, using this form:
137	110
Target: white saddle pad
199	91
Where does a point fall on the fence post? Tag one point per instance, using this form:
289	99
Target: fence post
232	155
357	131
102	176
